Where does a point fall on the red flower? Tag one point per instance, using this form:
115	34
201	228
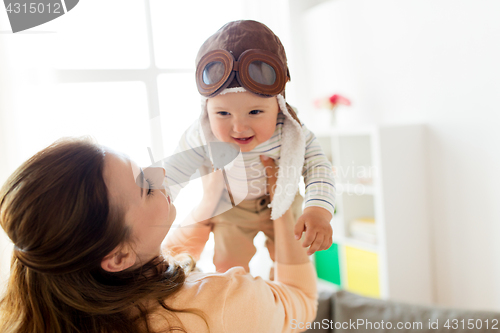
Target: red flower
331	102
338	99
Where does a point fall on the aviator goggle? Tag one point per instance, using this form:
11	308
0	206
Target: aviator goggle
258	71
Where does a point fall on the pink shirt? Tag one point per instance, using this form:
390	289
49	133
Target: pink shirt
235	301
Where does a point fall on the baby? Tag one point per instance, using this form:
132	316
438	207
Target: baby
241	74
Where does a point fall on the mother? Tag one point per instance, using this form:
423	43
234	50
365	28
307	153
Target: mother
87	256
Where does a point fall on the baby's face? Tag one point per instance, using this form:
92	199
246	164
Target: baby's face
243	118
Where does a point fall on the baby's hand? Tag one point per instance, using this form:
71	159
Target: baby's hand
315	221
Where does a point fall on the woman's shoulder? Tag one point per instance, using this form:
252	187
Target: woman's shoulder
236	301
202	287
217	285
215	276
236	298
233	286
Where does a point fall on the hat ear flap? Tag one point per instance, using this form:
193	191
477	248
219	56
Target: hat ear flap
292	113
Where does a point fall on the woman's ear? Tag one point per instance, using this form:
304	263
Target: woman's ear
121	258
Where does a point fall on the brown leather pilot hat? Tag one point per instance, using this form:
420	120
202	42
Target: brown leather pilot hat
240	36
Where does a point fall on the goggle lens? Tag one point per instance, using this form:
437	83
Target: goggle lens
258	71
213	72
262	73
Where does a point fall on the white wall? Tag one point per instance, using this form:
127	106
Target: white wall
432	61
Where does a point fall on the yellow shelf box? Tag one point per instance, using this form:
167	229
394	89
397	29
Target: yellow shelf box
362	272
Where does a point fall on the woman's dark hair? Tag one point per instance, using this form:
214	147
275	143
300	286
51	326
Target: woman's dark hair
56	211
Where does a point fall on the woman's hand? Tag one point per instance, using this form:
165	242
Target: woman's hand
272	174
213	187
213	184
287	249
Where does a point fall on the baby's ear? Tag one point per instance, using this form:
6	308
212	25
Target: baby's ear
121	258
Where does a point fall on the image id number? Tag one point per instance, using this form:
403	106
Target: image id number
34	8
471	324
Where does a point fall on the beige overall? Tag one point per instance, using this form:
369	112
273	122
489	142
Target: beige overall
235	229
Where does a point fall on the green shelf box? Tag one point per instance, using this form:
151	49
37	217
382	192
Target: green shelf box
327	264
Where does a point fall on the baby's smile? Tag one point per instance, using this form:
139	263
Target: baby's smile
243	140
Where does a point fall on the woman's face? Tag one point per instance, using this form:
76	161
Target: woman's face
148	212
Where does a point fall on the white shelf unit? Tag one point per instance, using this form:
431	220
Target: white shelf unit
381	175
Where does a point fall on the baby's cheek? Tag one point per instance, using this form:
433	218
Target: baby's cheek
222	137
218	131
267	132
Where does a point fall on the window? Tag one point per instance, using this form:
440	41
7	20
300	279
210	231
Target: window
119	70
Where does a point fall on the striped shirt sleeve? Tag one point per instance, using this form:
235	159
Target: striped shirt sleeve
318	175
188	157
